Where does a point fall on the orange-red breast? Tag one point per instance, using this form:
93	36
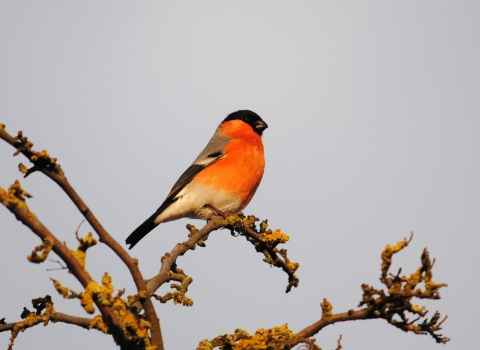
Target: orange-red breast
224	176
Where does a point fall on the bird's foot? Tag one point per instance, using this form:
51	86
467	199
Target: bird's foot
216	210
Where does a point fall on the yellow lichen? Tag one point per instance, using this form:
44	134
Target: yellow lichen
389	251
23	169
42	160
264	339
41	154
234	219
64	291
326	309
45	248
136	332
33	319
79	256
205	344
248	221
225	341
86	297
97	323
81	253
179	296
102	293
86	242
293	266
14	198
395	305
275	238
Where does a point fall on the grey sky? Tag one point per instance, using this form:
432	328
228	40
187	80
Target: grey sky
373	132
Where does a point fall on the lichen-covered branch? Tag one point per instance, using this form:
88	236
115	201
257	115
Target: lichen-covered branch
43	314
263	339
82	322
47	165
121	316
179	296
31	319
14	200
393	305
168	261
395	302
264	241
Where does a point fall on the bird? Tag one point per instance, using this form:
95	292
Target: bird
221	180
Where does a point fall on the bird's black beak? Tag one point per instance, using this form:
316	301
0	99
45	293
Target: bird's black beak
260	126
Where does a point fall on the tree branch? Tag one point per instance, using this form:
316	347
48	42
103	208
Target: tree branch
169	259
265	241
397	301
48	166
75	320
58	317
45	313
300	337
14	200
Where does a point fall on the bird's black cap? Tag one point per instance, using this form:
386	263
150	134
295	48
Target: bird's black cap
249	117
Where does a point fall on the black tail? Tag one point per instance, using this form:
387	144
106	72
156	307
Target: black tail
141	231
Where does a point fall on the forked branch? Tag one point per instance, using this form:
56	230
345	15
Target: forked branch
42	162
265	241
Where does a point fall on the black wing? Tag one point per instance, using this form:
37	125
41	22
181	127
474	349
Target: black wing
149	224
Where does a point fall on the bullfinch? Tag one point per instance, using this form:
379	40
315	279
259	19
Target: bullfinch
223	178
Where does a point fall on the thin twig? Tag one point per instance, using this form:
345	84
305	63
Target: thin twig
62	267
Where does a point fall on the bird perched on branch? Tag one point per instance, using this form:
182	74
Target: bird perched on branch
223	178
